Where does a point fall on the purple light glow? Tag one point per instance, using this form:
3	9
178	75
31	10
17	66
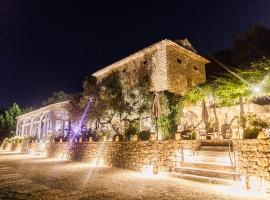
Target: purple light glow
78	129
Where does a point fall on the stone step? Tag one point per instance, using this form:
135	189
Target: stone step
214	142
209	166
211	157
215	148
203	179
208	173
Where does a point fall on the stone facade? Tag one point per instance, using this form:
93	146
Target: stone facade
11	146
161	155
253	159
184	71
169	65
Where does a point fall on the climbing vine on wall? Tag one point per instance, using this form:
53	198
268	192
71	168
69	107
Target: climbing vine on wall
171	107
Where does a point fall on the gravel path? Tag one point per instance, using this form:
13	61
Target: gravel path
35	177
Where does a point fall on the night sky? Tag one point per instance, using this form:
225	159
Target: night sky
48	46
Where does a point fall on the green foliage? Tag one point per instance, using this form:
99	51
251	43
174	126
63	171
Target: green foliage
131	131
8	119
252	132
171	107
144	135
251	45
2	121
197	94
228	88
120	137
118	98
16	139
253	125
56	97
28	109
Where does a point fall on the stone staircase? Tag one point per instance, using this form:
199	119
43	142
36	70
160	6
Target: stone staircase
211	163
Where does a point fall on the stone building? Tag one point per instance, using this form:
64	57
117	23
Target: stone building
172	66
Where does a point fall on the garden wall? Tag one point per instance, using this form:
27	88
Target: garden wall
253	157
12	146
161	155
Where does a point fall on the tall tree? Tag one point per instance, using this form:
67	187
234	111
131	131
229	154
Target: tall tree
249	46
118	99
56	98
8	119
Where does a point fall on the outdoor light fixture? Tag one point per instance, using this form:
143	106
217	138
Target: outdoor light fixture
62	156
256	89
147	170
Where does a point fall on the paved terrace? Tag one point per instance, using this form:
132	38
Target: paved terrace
36	177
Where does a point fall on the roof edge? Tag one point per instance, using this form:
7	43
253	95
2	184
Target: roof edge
149	49
42	108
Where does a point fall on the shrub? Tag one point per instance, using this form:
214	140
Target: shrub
252	132
254	125
6	140
130	131
144	135
121	138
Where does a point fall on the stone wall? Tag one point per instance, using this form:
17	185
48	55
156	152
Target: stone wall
253	159
161	155
11	146
184	71
161	62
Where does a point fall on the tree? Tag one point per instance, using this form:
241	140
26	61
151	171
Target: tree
251	45
8	119
56	97
118	99
28	109
2	121
250	83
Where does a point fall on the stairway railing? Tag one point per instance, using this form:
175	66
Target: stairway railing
232	160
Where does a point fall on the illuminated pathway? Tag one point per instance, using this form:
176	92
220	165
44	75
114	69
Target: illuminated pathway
35	177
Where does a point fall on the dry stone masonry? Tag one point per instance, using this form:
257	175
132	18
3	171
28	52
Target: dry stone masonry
169	65
253	157
161	155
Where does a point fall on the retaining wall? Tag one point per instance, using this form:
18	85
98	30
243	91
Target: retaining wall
161	155
253	159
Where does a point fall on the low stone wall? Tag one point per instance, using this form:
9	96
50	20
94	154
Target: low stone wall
161	155
253	158
11	146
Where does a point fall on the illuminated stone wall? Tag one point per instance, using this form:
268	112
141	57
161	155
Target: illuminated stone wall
169	65
184	71
162	155
253	158
11	146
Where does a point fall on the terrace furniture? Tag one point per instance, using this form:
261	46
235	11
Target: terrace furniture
203	134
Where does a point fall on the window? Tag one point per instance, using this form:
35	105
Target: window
179	60
195	68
